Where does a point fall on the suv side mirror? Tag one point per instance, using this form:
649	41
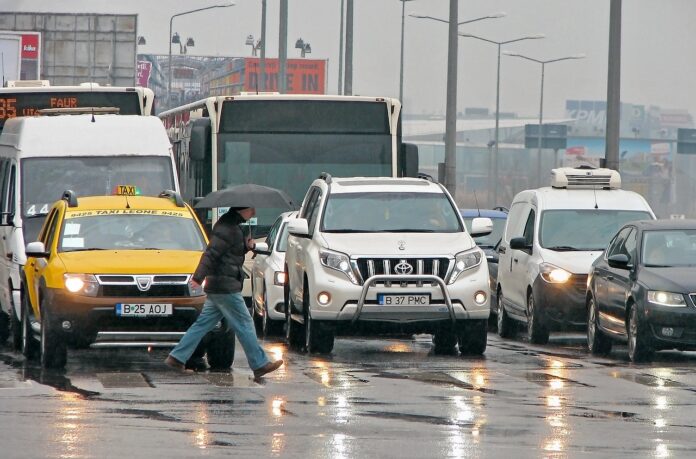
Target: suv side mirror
619	261
519	243
481	226
262	248
36	250
298	227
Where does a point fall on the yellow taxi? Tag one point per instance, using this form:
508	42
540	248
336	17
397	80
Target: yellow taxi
114	271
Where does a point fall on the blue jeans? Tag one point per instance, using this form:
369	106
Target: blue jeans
231	306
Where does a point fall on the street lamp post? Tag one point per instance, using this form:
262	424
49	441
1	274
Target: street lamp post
171	21
496	151
401	71
451	109
541	99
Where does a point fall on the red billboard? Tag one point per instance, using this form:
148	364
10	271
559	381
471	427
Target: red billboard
30	45
303	76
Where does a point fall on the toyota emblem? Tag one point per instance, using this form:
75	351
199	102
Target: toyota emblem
403	268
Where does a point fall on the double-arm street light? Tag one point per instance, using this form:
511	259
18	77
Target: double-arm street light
451	110
496	150
541	101
169	39
401	71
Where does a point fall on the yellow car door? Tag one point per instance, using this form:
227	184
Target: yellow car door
36	266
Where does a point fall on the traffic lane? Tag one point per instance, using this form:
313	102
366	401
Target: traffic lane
383	397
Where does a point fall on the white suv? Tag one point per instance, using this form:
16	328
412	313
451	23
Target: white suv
387	253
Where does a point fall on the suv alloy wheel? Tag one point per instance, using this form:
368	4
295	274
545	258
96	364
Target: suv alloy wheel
54	353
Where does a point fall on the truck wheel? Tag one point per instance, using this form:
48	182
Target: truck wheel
536	330
29	346
445	341
597	342
473	337
506	326
220	348
54	353
639	346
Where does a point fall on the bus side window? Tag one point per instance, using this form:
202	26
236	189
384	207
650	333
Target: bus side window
9	189
3	170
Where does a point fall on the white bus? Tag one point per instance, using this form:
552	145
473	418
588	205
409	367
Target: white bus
285	141
26	98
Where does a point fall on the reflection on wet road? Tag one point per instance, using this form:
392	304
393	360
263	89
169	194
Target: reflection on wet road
370	398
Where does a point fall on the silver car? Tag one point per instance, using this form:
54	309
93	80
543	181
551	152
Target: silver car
268	278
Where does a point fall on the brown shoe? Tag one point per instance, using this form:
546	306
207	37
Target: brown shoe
269	367
174	363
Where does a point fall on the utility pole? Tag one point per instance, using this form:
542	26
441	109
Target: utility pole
614	87
262	62
348	88
340	51
451	109
283	48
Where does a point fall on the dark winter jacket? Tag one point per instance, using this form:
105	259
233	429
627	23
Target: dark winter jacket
221	263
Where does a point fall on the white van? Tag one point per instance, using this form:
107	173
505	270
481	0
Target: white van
551	238
41	157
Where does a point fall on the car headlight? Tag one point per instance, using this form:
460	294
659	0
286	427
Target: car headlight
339	262
279	277
81	284
198	290
553	274
666	298
464	261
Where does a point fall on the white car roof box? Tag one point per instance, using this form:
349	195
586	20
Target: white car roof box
585	177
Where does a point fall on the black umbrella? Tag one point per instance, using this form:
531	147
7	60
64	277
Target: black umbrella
247	195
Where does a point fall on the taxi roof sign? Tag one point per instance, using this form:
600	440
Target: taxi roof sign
127	190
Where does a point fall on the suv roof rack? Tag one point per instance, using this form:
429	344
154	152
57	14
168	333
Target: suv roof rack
172	195
71	197
325	176
424	176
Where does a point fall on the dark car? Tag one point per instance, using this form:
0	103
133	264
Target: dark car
489	244
641	290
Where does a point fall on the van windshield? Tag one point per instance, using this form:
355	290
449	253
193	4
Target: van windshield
583	230
44	179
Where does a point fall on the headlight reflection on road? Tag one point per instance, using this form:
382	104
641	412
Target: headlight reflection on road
70	426
278	407
201	436
277	443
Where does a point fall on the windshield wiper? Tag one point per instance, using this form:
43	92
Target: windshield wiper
84	249
565	248
658	266
347	231
406	230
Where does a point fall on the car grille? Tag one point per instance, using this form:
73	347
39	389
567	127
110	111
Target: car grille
143	285
369	267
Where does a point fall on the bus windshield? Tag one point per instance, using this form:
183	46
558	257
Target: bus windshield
287	144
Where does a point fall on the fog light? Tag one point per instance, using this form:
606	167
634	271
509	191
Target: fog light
66	325
480	297
667	331
323	298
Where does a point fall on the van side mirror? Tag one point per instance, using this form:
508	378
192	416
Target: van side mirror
199	144
36	250
409	159
619	261
519	243
298	227
7	219
481	226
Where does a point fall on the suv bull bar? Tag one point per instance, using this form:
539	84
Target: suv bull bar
425	278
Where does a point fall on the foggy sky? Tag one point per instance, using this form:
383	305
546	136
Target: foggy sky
658	62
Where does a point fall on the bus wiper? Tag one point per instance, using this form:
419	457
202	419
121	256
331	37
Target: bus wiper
650	265
565	248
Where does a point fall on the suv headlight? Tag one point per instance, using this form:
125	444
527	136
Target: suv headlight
81	284
553	274
666	298
464	261
339	262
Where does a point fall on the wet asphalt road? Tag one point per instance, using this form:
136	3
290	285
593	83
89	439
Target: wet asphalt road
370	398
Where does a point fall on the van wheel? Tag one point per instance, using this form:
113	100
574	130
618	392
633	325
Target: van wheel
536	331
597	342
30	347
639	346
506	327
16	326
4	327
220	348
54	353
445	341
294	335
473	337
